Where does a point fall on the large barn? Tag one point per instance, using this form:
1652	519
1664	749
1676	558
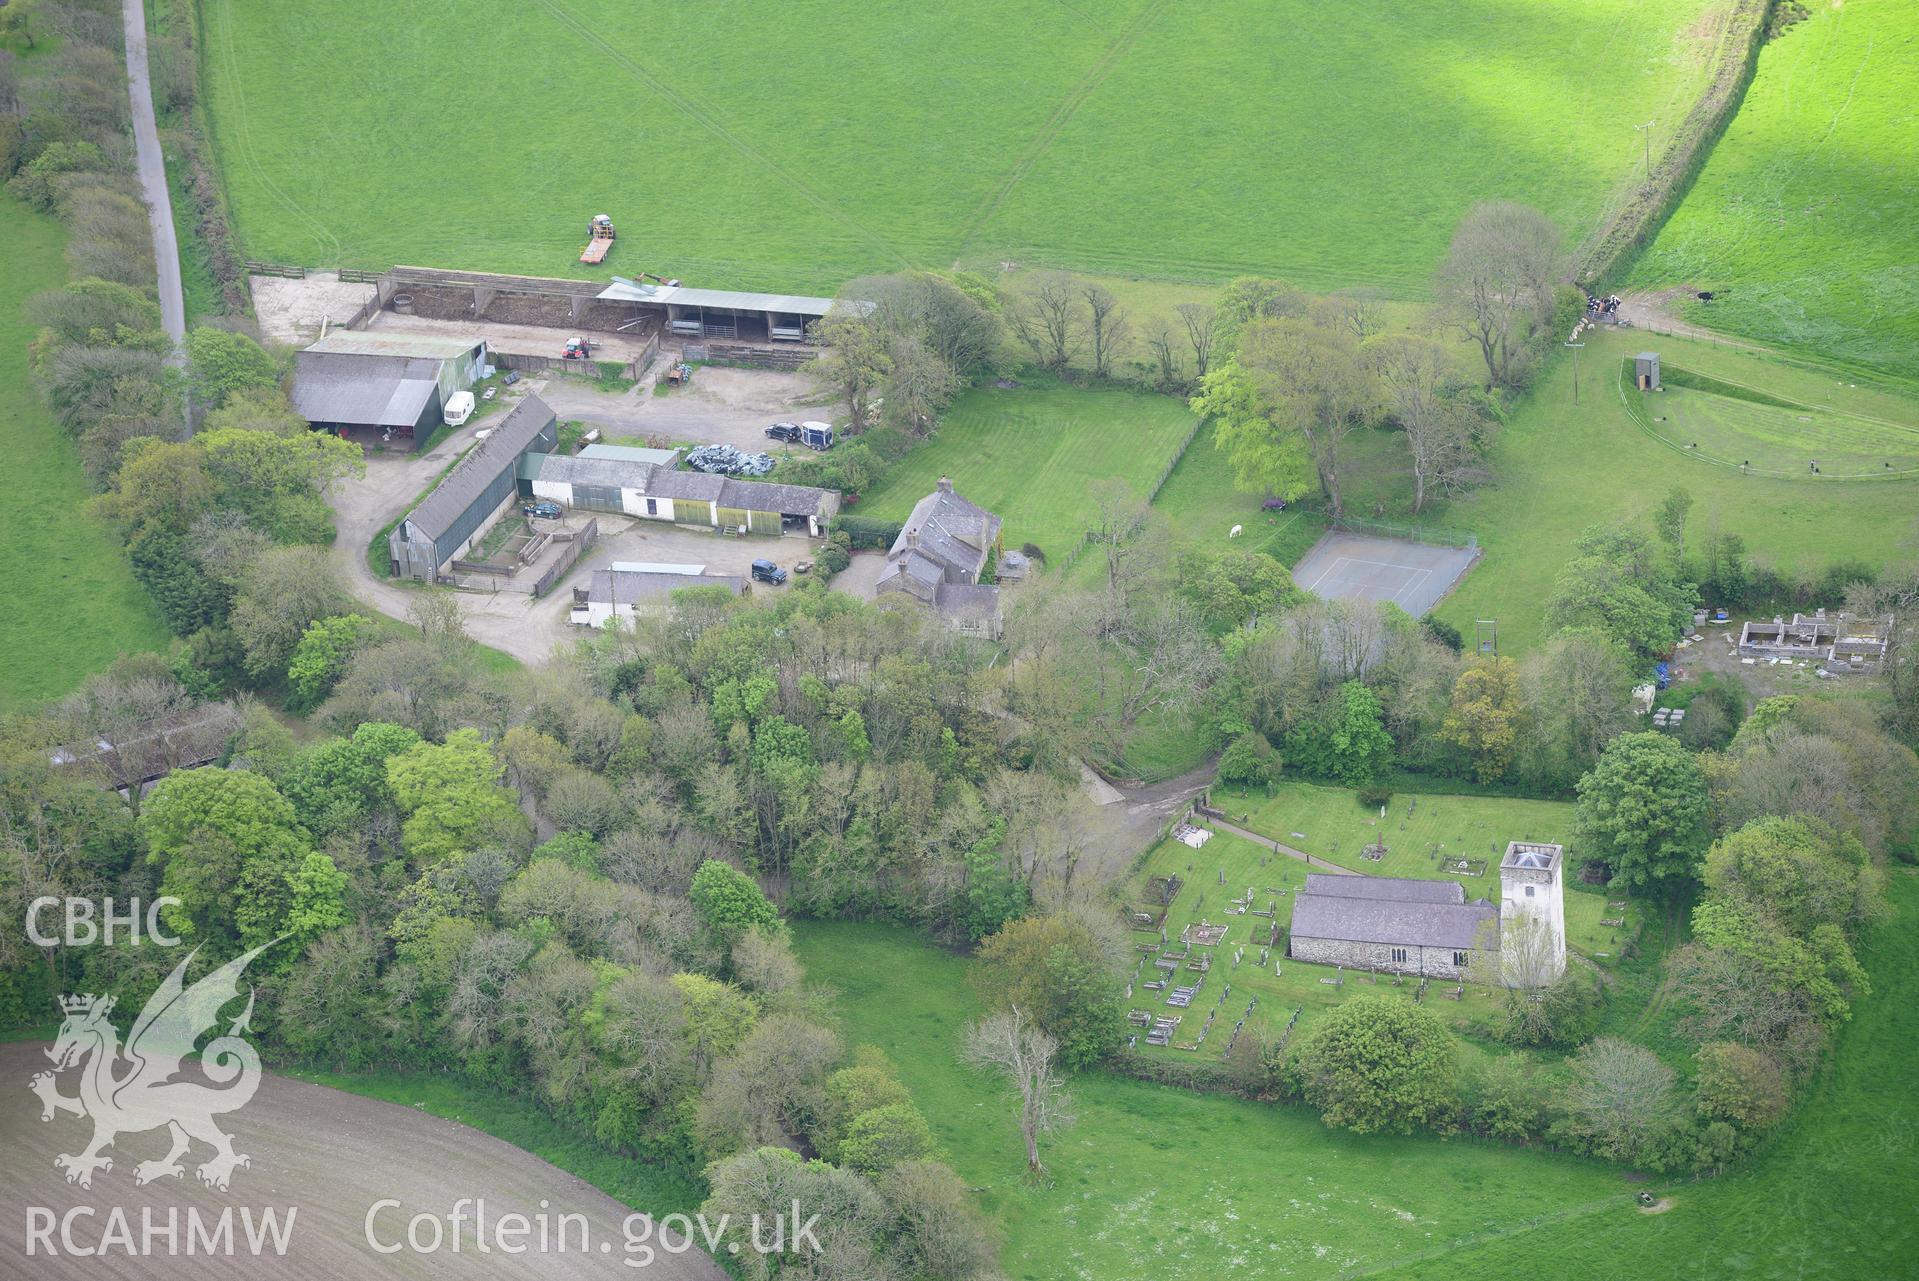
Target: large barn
382	388
464	505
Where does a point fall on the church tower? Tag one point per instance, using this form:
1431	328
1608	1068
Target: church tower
1532	913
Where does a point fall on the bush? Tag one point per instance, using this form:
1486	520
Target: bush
1032	552
1374	796
867	532
1251	761
1378	1063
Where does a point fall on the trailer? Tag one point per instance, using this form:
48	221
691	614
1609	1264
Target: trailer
599	239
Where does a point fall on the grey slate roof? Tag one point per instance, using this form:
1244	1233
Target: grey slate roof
771	496
499	452
578	469
633	586
1386	888
951	530
381	342
966	602
371	391
663	482
1391	922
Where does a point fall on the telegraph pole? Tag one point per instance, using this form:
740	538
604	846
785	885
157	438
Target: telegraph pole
1575	347
1647	130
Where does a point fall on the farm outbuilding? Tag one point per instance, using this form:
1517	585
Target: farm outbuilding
627	589
635	487
721	313
383	388
466	502
1645	370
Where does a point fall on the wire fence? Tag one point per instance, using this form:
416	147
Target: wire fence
1409	533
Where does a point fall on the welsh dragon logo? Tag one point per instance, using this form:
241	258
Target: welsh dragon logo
129	1089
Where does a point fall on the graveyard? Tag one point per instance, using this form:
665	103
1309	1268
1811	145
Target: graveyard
1208	921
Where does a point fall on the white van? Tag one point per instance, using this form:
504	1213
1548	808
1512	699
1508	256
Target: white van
459	408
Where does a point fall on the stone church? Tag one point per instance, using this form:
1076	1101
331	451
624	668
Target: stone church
1430	928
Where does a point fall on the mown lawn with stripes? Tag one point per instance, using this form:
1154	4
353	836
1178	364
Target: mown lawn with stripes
1034	455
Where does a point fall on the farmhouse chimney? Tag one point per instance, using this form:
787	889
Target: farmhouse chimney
946	484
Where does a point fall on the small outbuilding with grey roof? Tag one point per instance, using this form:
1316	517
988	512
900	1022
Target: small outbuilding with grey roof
626	589
1390	923
469	498
382	388
637	487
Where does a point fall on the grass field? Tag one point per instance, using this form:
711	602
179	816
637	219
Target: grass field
1778	440
1157	1182
1560	468
73	605
1805	218
849	138
1031	455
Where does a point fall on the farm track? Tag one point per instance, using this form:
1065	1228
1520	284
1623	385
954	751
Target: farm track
151	163
712	124
1662	995
1056	123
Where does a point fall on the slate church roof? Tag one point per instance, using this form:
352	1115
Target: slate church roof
1392	911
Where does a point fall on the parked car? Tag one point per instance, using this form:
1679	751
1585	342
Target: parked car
543	510
765	571
816	435
512	376
788	432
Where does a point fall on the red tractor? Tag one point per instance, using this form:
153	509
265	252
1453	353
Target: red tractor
578	349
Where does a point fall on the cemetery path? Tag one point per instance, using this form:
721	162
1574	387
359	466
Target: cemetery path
1279	848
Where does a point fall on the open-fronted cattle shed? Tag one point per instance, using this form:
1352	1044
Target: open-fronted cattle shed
730	314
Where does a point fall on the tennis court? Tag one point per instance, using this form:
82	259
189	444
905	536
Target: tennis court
1413	576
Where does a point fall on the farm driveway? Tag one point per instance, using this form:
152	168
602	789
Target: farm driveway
326	1158
720	406
519	625
153	176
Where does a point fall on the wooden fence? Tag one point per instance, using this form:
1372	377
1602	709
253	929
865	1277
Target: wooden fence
282	270
569	556
357	276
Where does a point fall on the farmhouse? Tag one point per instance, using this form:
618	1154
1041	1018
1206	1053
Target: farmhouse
383	388
1430	928
939	557
603	478
466	502
627	589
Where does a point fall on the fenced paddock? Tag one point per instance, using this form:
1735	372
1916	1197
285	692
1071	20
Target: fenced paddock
1345	565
